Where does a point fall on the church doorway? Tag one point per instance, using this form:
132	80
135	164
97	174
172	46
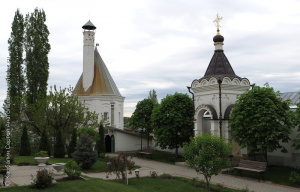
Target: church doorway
108	144
112	144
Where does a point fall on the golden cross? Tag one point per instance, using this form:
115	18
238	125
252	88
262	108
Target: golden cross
217	22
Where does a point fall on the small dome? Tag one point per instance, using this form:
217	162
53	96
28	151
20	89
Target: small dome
89	26
218	38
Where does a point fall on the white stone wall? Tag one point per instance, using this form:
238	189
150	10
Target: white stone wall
291	158
127	142
88	59
103	104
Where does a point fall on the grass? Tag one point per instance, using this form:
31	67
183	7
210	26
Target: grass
276	174
31	161
162	156
146	184
99	166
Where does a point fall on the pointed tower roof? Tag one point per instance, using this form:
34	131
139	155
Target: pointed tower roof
219	66
89	26
103	83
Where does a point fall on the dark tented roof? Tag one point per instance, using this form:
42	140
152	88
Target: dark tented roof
293	96
219	66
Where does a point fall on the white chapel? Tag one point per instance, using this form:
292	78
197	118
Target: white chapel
216	92
96	87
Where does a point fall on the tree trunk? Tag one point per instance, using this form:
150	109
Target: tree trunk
266	158
148	138
207	183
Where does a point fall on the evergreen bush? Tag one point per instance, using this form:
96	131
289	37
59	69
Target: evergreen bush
25	145
44	143
101	142
73	143
84	153
59	147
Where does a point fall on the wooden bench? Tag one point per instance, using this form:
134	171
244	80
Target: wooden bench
254	166
142	154
147	151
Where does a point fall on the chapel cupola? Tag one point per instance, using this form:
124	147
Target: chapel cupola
219	66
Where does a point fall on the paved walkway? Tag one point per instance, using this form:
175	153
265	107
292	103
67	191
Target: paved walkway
21	175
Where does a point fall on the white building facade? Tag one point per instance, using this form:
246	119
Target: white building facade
96	87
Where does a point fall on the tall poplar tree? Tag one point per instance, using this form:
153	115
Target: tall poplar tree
15	75
37	48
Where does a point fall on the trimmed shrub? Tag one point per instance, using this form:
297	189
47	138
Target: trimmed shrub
44	143
84	153
41	154
73	143
72	169
25	146
43	179
59	147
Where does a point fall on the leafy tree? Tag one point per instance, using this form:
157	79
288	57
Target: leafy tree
73	143
25	149
44	143
296	141
61	110
64	111
207	154
173	121
141	117
59	146
127	122
37	48
101	142
153	96
15	75
90	131
261	121
84	153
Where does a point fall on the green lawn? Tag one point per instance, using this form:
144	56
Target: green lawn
147	184
31	161
99	166
162	156
275	174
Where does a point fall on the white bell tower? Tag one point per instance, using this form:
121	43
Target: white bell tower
88	54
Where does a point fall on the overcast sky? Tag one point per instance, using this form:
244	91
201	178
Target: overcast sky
166	44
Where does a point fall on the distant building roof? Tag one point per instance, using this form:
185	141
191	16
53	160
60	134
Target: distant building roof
103	83
293	96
